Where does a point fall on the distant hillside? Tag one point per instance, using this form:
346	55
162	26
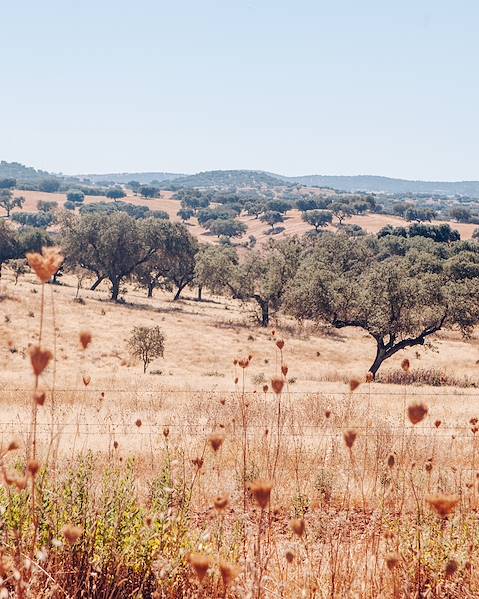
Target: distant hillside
20	171
125	177
235	178
389	185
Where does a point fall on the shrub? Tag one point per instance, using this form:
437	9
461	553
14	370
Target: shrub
147	344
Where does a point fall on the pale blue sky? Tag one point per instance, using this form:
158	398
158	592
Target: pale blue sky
311	86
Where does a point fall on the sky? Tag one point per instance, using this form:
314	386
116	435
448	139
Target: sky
338	87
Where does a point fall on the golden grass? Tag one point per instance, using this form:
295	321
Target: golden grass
318	488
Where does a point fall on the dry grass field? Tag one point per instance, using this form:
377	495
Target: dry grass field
293	224
237	466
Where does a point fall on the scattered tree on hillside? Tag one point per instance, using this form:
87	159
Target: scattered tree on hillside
40	220
185	213
134	186
46	206
460	214
49	185
419	214
317	218
271	218
227	228
110	245
400	300
147	344
215	269
148	191
8	243
341	211
115	193
8	202
75	196
18	267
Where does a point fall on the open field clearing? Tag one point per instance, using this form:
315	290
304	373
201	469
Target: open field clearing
272	477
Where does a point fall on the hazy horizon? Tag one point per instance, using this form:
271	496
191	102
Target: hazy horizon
296	89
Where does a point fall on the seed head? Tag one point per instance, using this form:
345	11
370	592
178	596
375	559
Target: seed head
45	264
86	379
350	438
437	423
228	572
72	533
451	568
216	440
280	344
243	363
199	563
221	502
327	413
85	339
392	560
298	526
261	490
405	365
353	384
416	412
33	467
473	421
428	467
166	432
391	460
198	462
284	369
138	422
39	397
39	358
443	505
277	384
12	446
369	377
265	388
289	555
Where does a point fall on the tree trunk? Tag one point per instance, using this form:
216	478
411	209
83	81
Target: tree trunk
381	355
179	290
115	289
200	291
97	282
151	286
264	305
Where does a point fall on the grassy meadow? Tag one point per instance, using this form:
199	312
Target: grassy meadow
247	462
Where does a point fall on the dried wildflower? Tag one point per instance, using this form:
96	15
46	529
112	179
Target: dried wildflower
451	568
228	572
369	377
353	384
216	440
243	363
235	361
72	533
261	490
473	421
327	413
443	504
298	526
350	438
39	358
428	467
85	339
12	446
200	563
437	423
20	483
115	444
289	555
45	264
198	462
39	397
284	369
280	344
265	388
86	379
391	460
236	380
392	560
221	502
33	467
277	384
166	432
148	521
405	365
417	412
